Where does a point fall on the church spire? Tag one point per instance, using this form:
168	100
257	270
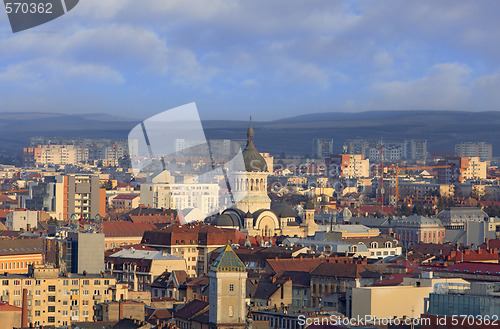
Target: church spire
250	135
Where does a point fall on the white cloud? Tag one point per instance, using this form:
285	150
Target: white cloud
444	87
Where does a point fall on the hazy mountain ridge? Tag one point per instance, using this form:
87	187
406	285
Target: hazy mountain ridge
443	129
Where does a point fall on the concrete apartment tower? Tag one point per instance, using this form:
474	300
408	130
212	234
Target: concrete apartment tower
227	291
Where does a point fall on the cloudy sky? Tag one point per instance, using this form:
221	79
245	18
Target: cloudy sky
268	58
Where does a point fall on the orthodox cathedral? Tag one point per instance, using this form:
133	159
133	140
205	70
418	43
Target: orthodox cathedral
253	214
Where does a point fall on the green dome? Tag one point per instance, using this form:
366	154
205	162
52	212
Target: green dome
252	158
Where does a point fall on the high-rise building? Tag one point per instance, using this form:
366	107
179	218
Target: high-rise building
415	149
322	148
348	166
481	150
460	169
74	251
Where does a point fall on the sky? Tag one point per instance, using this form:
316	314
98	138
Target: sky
270	59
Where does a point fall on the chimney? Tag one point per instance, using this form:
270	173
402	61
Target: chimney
120	310
24	314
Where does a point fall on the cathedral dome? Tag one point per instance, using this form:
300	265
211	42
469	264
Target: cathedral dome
283	211
226	220
252	158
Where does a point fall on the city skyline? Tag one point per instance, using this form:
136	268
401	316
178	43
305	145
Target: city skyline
272	60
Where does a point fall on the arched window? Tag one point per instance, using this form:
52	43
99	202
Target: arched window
388	244
374	245
354	248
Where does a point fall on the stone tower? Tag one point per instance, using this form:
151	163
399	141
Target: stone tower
227	276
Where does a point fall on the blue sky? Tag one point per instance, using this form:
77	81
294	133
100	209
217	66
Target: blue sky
268	58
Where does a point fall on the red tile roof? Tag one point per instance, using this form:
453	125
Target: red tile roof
9	308
191	309
394	279
293	264
126	197
124	228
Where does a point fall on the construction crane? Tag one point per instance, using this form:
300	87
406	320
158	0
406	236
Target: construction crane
397	169
14	191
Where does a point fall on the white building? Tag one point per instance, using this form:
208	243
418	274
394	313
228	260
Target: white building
21	220
349	166
205	197
481	149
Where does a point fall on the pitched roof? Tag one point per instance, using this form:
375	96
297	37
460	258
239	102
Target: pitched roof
125	228
228	261
293	264
157	314
9	308
20	246
126	197
394	279
348	270
299	279
191	309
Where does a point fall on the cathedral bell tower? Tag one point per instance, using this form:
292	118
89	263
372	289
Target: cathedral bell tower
252	183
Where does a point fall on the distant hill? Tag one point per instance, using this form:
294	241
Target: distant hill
442	129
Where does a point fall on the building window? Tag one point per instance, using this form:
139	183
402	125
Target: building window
65	282
17	292
51	319
51	309
17	282
97	282
27	282
231	287
65	313
52	299
97	292
74	282
85	292
37	302
106	282
37	313
52	288
5	282
86	282
37	292
17	303
38	282
85	313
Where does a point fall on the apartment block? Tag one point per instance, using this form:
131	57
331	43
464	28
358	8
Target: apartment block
75	252
461	169
480	149
57	300
322	148
66	196
348	166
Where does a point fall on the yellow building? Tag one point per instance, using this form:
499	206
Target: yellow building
56	300
16	255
